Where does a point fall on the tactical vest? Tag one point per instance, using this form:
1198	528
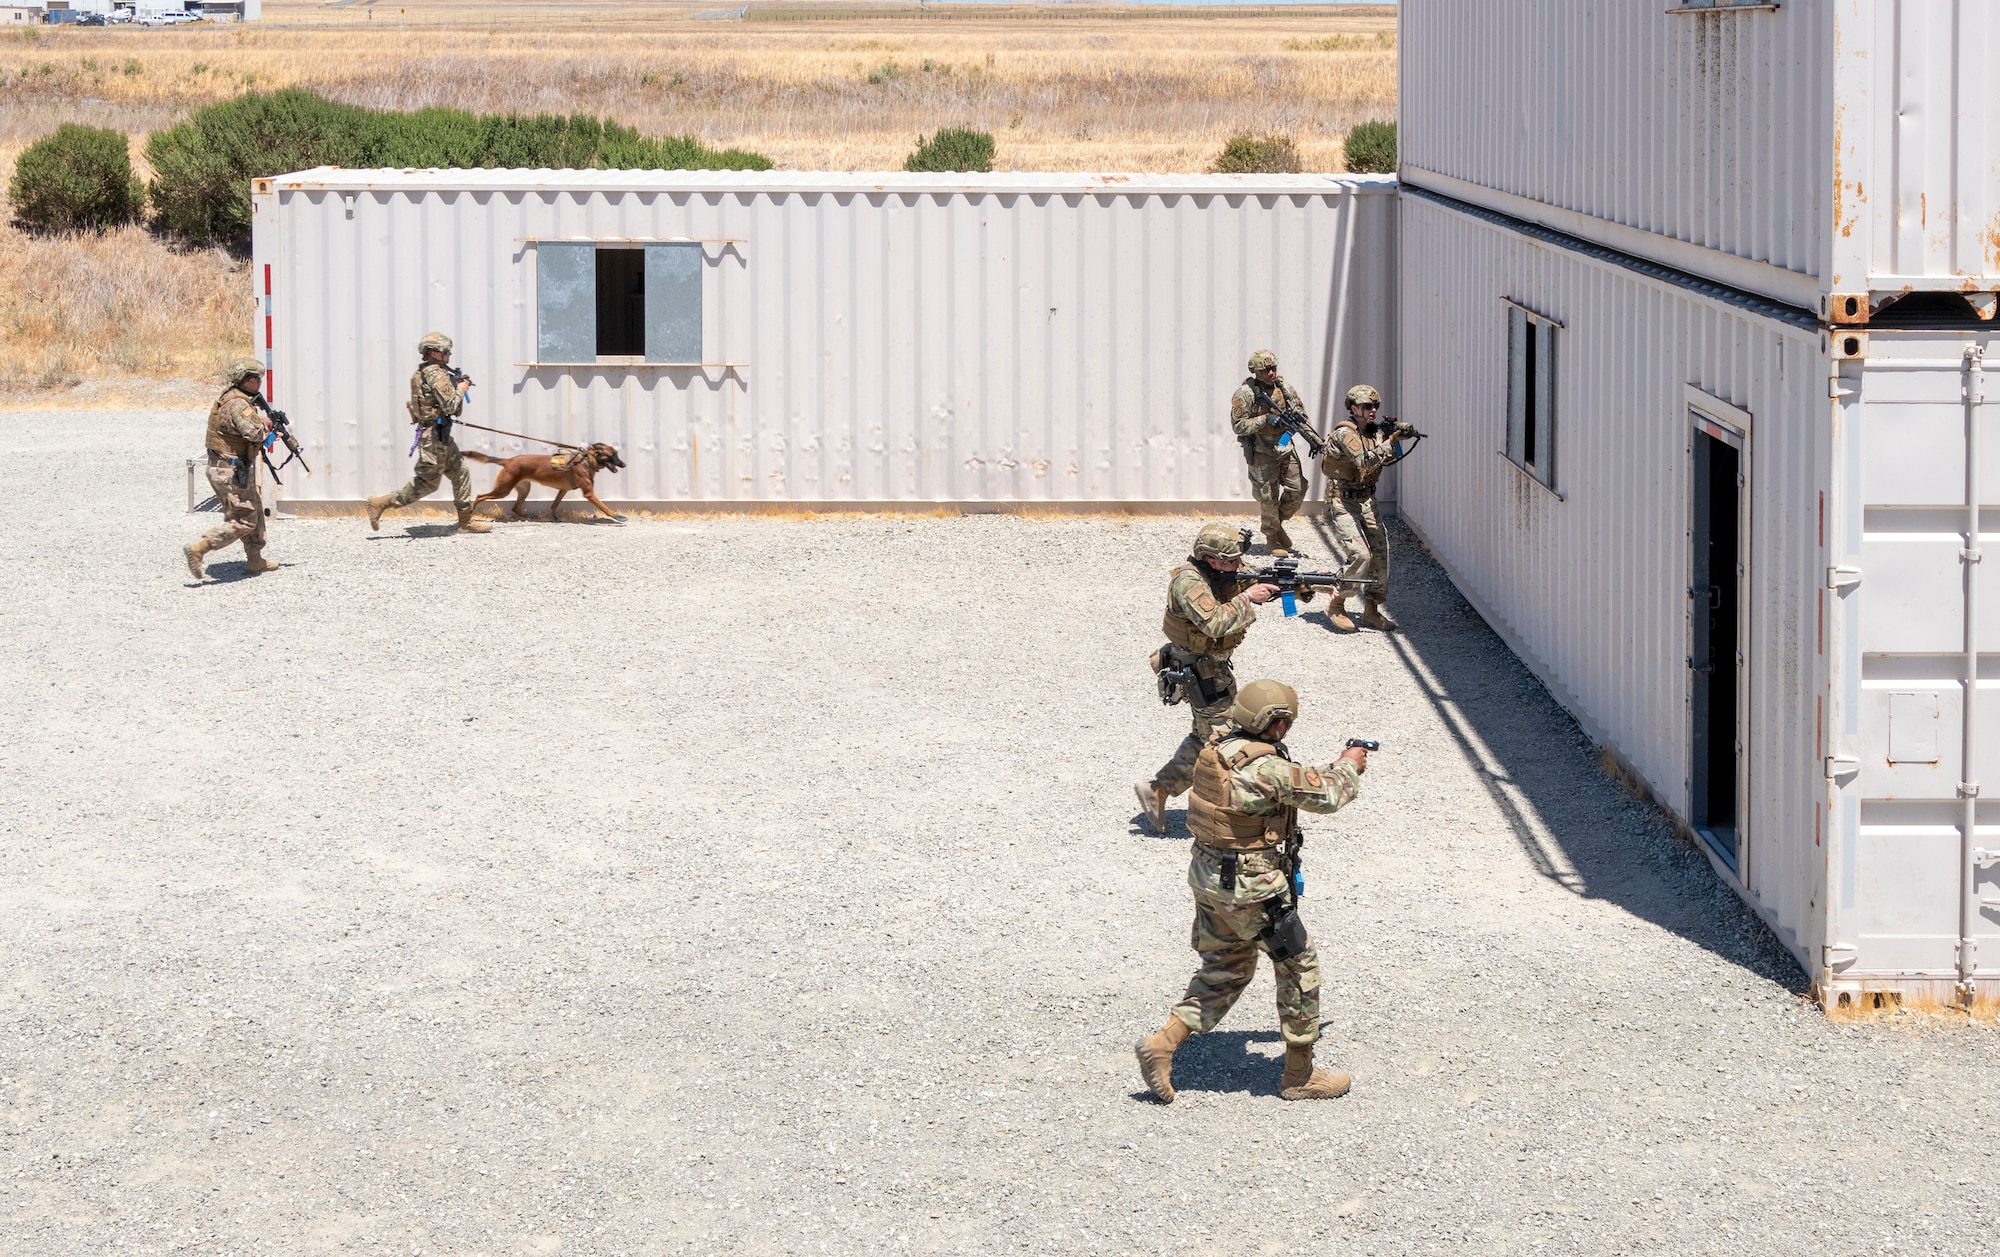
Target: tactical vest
221	440
423	405
1340	467
1183	632
1264	443
1211	818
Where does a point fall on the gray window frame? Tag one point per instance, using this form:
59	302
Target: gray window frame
1533	401
566	303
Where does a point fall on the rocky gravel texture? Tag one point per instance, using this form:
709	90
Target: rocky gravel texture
775	886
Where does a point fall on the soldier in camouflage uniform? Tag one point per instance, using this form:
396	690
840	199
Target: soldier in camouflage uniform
435	400
1210	607
236	434
1247	796
1275	477
1356	452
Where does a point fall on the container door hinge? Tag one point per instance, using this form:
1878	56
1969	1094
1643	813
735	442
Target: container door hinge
1833	388
1838	954
1843	576
1842	765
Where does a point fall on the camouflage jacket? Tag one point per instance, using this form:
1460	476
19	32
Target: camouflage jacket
1208	620
235	427
1246	416
1274	782
1268	786
1354	458
433	395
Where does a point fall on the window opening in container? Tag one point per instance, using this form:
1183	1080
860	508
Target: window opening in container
621	303
1531	393
618	302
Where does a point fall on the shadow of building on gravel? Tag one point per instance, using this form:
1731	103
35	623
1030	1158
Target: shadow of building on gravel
1575	825
1224	1061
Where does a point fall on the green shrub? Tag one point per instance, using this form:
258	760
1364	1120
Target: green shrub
952	150
79	177
204	165
1250	155
1371	148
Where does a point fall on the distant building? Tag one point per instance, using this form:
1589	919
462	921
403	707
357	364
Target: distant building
20	14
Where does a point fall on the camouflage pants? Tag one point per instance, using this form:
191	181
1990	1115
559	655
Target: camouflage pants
437	457
242	507
1226	926
1280	489
1177	774
1364	543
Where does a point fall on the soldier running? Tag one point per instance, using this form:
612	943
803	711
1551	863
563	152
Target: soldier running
1356	451
1276	480
1247	795
435	400
236	435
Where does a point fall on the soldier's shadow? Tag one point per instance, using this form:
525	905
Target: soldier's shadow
225	573
1242	1062
416	532
1177	830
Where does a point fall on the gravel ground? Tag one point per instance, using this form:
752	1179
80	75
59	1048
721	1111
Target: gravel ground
775	886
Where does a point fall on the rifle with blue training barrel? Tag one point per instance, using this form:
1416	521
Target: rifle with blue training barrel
1285	574
281	430
1294	422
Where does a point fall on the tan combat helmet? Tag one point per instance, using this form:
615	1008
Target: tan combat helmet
1363	395
1261	702
434	341
241	369
1218	542
1262	360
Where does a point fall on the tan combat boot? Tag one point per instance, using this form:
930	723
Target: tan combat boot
194	550
1303	1082
1375	617
255	562
468	522
1156	1057
1153	802
376	505
1336	614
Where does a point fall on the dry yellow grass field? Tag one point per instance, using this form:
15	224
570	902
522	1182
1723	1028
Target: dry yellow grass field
1071	87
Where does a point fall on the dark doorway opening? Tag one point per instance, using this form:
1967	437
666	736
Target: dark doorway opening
1715	621
621	302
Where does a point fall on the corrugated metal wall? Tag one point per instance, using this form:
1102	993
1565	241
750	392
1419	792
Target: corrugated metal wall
1917	138
901	338
1668	133
1591	587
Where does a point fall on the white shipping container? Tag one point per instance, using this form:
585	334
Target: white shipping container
1781	658
1808	151
803	338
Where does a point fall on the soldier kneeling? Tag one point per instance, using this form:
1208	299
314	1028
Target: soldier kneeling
1243	813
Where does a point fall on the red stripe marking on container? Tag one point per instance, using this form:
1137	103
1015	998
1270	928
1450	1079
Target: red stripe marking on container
267	331
267	279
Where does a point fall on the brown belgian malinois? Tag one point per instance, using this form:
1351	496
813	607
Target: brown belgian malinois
573	469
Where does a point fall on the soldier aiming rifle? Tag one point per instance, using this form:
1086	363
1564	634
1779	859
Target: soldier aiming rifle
1358	450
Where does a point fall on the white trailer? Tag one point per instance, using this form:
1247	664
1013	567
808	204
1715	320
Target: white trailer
789	339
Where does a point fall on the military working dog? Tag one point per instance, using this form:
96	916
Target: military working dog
573	469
